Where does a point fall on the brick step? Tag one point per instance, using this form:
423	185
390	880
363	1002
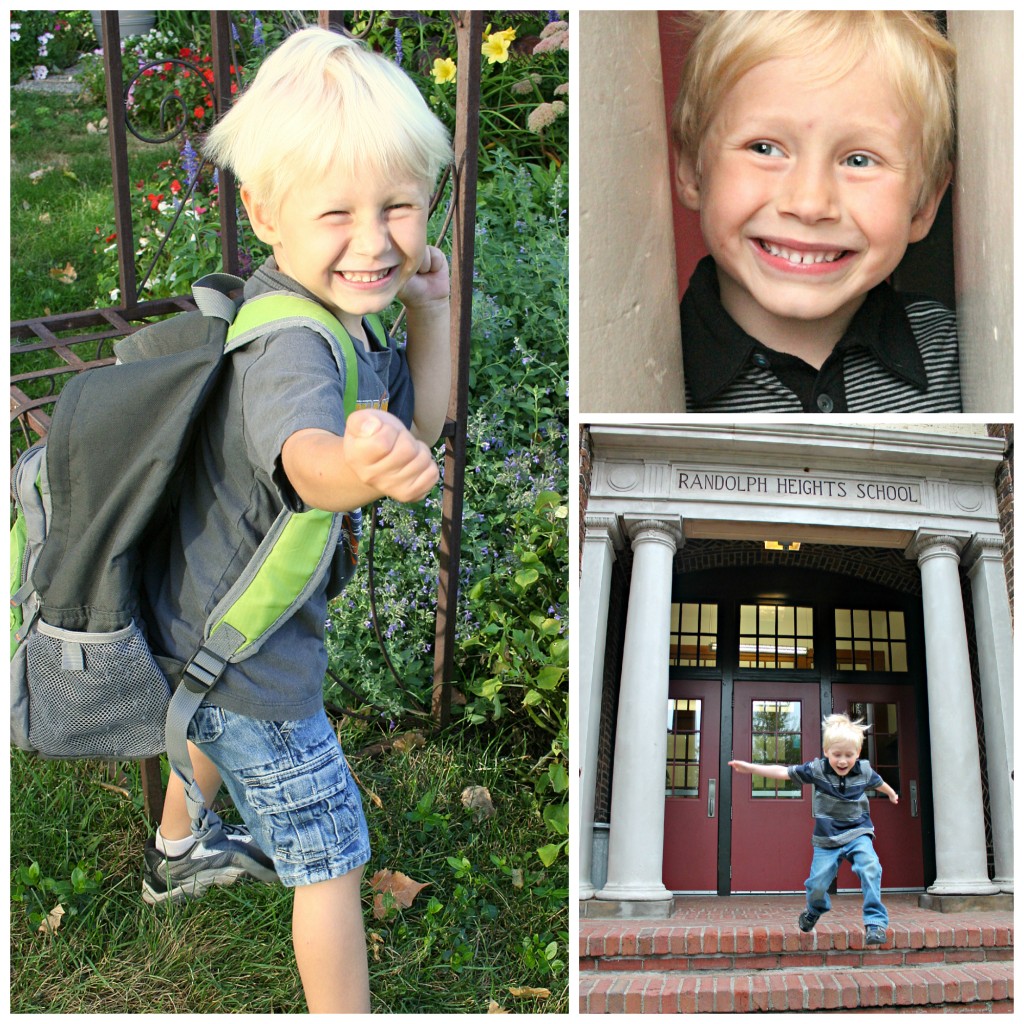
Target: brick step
972	987
636	946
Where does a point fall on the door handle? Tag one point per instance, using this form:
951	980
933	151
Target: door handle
913	798
711	798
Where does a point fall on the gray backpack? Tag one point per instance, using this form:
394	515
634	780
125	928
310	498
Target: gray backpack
93	502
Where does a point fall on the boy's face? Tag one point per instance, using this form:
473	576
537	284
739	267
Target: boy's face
808	194
842	756
353	243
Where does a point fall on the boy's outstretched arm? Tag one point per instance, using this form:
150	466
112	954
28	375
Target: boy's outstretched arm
428	328
769	771
889	792
377	457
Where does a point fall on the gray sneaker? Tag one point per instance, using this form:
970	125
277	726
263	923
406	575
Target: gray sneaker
226	854
874	935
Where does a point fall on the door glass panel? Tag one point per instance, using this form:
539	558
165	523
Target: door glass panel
776	636
881	741
870	640
682	776
694	635
775	739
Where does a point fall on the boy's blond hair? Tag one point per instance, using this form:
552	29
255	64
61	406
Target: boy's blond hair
322	102
919	61
841	727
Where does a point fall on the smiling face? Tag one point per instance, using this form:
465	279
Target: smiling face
808	195
842	756
353	243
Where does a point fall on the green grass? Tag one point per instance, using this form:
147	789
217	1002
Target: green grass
55	215
469	937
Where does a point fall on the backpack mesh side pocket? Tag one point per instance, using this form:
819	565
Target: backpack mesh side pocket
95	695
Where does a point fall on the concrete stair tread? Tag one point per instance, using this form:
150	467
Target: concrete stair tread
826	988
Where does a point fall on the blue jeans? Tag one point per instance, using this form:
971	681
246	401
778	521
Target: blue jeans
866	866
293	788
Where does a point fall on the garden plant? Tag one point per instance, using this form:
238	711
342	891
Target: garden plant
466	898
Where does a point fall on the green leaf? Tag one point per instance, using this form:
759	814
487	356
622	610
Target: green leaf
559	778
526	577
549	854
549	677
556	817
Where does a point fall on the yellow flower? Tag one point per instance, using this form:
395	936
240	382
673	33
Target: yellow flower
495	49
444	70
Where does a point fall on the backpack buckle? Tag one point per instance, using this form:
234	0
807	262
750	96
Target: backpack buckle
205	668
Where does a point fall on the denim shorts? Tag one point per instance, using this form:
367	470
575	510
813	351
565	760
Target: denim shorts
293	788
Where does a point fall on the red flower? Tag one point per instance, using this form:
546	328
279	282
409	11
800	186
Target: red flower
110	238
184	52
175	186
149	72
198	112
234	88
185	74
168	65
208	75
154	201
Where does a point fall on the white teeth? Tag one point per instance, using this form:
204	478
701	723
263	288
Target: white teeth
362	277
801	257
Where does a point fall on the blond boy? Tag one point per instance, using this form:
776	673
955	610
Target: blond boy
842	821
816	146
336	154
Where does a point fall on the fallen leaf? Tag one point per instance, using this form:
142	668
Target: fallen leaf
517	878
537	993
71	175
66	274
36	176
478	799
52	922
408	741
376	945
402	889
45	218
495	1008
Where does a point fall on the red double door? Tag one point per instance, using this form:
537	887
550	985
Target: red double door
769	833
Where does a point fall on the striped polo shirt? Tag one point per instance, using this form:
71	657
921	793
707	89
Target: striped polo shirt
899	355
840	802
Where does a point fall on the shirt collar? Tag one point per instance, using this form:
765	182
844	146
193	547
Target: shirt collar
717	351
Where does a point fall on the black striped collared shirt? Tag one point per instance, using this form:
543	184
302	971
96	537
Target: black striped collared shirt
899	355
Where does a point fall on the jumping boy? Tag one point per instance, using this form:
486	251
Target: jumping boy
842	821
816	145
336	154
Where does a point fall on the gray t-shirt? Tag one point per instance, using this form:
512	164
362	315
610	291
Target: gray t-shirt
234	489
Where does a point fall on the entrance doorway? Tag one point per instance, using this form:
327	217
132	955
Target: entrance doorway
757	661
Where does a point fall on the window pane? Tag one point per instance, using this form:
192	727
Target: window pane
689	618
805	621
775	739
843	627
748	620
682	768
787	622
861	623
879	625
709	618
899	657
897	625
766	620
844	654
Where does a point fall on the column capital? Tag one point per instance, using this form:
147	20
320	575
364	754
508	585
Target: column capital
928	543
983	547
603	527
668	531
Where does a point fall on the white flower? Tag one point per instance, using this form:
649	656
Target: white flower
39	72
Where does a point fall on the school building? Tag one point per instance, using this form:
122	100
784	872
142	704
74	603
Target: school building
740	582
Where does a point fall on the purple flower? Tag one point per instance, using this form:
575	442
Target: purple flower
399	52
257	33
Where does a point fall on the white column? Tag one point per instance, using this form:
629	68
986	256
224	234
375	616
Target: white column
637	827
960	857
602	537
983	557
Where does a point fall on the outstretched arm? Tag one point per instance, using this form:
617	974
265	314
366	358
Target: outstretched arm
769	771
889	792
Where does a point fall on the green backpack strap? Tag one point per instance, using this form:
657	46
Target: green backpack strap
289	563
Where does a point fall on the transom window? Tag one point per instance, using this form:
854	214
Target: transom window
870	640
694	635
683	760
776	636
775	738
